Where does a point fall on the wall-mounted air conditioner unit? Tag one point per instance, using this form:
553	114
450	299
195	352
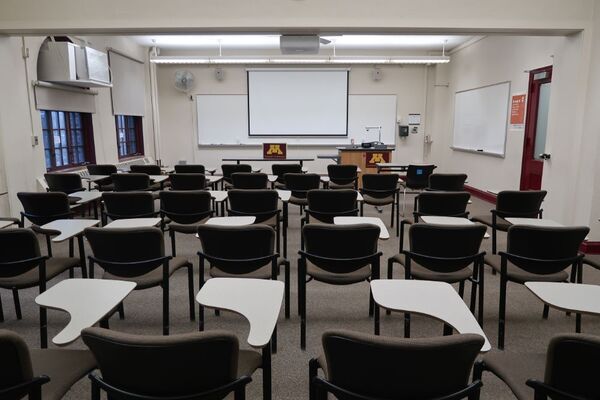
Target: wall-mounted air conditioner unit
69	64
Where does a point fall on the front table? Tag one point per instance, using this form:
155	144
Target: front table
86	300
436	299
257	300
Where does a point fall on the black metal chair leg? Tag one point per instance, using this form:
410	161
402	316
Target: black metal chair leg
461	289
121	310
191	292
546	311
390	275
1	311
15	293
502	312
286	267
406	325
173	247
302	301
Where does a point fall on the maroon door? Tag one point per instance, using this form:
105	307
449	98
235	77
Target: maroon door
534	152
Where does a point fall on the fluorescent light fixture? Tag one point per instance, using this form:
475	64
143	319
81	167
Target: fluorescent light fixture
306	60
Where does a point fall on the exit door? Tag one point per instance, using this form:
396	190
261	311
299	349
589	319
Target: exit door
536	128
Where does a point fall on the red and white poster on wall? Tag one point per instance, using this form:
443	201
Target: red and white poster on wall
517	111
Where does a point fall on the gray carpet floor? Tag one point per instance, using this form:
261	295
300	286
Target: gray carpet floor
327	307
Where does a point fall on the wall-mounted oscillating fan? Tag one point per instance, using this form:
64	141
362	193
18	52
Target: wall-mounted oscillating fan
184	81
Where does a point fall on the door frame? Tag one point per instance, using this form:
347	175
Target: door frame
531	123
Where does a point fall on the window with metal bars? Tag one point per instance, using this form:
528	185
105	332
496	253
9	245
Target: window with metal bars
68	139
130	140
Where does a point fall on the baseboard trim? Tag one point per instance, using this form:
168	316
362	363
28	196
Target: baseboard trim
481	194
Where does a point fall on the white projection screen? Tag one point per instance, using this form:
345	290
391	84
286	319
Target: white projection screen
297	102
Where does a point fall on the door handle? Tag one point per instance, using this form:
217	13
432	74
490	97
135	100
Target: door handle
544	156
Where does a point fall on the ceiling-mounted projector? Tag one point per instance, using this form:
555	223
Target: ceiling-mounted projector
300	44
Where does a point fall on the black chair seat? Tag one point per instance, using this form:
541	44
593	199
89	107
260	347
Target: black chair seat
501	223
54	266
152	278
419	272
185	228
228	185
593	260
333	185
299	201
248	362
378	201
72	364
279	185
360	275
422	273
106	188
516	274
261	273
515	368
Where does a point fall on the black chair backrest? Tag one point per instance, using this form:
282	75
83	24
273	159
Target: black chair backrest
121	205
346	247
101	169
63	182
187	181
16	368
160	366
380	185
127	252
300	183
459	242
229	169
449	204
417	176
249	180
393	368
281	169
20	252
130	182
342	174
517	203
237	249
569	364
325	204
261	203
41	208
149	169
447	182
187	206
555	248
189	169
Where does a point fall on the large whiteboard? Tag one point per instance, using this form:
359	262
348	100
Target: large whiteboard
481	119
223	119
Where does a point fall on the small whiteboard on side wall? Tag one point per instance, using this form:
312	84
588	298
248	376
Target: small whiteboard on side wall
481	119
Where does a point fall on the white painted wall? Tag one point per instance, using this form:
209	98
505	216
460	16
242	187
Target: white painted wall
23	162
567	175
177	113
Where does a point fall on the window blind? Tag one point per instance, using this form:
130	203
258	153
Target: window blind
128	85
